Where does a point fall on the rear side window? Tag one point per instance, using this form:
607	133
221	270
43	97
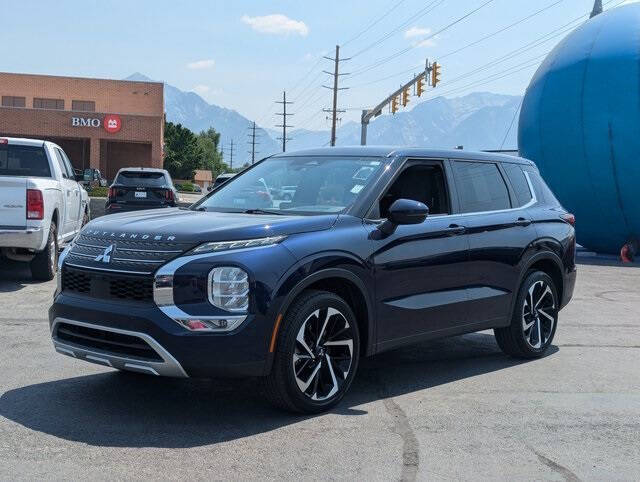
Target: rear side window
28	161
543	193
480	187
142	179
518	183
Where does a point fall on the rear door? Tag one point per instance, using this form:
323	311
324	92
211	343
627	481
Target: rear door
18	163
499	230
76	198
68	185
142	189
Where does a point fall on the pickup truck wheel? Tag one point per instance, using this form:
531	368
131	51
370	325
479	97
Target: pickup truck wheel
45	263
317	354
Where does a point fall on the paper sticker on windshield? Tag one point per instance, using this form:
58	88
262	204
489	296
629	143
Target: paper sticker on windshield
357	188
363	173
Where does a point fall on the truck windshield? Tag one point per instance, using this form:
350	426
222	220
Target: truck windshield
29	161
141	179
296	185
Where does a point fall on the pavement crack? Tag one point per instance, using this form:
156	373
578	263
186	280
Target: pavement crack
556	467
401	426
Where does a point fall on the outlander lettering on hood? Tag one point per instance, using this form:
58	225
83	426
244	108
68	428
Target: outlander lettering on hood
143	236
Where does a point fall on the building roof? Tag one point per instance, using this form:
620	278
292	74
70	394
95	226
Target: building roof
393	151
202	175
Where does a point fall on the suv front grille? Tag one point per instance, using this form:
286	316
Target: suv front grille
108	286
107	341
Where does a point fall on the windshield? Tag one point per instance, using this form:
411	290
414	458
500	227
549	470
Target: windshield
296	185
141	178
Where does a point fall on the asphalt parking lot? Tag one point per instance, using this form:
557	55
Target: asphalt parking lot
452	409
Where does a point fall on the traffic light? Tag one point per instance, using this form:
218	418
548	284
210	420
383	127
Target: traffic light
394	105
435	74
405	97
420	86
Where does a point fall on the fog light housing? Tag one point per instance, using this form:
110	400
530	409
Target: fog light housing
228	288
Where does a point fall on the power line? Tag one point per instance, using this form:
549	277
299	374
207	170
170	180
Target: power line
421	13
512	121
373	24
406	49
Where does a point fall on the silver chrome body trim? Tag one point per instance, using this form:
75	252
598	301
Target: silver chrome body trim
168	367
163	291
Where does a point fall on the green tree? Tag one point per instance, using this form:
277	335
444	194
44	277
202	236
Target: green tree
183	154
209	141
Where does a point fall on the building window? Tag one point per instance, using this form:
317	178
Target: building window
11	101
83	105
48	103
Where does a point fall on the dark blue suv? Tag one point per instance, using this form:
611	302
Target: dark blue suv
376	248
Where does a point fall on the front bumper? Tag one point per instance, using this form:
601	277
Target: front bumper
29	238
240	353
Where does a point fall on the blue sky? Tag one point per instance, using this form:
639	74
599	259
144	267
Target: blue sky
242	54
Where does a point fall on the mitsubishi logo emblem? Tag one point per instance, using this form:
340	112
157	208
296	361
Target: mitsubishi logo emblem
105	257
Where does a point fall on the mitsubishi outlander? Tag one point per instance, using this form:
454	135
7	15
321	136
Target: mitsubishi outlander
376	248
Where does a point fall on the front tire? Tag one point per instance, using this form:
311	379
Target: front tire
317	354
45	263
535	318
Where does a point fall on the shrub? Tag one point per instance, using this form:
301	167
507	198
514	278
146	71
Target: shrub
187	187
99	191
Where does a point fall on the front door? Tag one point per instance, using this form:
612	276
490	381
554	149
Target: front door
420	270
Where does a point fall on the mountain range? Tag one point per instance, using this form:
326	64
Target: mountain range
479	120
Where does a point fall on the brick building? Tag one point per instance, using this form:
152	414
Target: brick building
106	124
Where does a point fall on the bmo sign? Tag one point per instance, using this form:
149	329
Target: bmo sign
111	122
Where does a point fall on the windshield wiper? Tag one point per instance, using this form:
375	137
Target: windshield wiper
261	211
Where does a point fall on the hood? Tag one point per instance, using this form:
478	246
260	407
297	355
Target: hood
179	225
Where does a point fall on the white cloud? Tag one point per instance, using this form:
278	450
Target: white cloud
276	24
201	64
201	89
416	32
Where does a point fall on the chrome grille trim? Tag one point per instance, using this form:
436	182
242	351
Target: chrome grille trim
169	366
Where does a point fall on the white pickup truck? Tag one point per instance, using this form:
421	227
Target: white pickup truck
42	206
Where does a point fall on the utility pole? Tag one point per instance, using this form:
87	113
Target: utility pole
230	155
252	136
284	125
334	110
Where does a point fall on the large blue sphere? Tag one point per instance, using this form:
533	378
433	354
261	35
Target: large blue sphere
580	123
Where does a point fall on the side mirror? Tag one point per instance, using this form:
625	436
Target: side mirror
404	211
408	211
79	177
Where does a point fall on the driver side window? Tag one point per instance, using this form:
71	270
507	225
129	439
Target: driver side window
421	182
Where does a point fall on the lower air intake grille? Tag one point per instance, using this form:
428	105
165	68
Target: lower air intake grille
106	341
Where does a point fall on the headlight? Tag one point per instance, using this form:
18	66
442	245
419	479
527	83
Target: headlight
228	288
245	243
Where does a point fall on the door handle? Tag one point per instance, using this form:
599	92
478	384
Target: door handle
522	222
456	229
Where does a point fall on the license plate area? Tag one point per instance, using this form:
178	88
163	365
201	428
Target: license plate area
141	194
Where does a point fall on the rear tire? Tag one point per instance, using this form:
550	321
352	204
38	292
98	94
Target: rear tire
535	318
45	263
317	354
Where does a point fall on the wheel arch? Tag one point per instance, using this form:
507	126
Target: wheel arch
349	287
550	263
